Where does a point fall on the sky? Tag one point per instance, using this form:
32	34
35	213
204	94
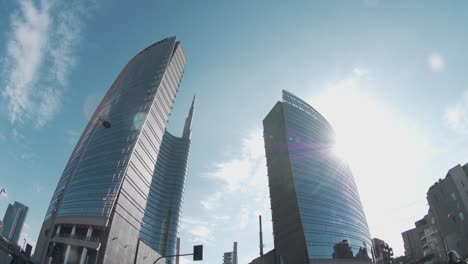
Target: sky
390	76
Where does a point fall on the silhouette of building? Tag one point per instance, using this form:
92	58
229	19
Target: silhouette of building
314	199
97	208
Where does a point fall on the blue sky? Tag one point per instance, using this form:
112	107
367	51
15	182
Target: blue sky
389	75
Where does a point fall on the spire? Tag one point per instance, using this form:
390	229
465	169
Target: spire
188	121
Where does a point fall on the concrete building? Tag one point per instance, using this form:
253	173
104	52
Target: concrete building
13	221
164	206
268	258
431	240
448	200
383	253
412	244
231	257
314	199
97	208
424	240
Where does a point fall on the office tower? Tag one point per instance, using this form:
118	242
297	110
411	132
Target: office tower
13	221
231	257
97	209
314	200
448	200
163	209
383	253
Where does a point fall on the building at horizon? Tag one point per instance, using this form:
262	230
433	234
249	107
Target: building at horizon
412	244
383	253
97	209
13	221
314	200
163	209
448	200
231	257
424	241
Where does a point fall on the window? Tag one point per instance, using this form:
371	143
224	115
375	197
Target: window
454	197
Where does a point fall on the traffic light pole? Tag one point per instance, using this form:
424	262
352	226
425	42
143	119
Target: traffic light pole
197	254
171	256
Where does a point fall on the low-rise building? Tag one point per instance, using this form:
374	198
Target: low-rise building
383	253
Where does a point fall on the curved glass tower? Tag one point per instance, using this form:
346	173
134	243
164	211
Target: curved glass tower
96	211
163	209
316	209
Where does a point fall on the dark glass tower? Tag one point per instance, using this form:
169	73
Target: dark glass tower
97	209
13	221
163	209
316	209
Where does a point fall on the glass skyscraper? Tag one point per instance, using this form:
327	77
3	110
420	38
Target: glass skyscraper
97	209
13	221
316	209
163	209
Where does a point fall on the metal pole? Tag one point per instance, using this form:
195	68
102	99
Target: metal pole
180	255
261	238
177	250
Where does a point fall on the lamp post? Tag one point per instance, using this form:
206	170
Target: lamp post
106	124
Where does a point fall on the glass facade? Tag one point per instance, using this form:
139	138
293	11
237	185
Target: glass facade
332	220
163	209
13	221
107	178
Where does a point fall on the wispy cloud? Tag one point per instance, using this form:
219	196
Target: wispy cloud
435	62
244	174
41	49
200	230
211	201
71	136
456	114
244	170
241	178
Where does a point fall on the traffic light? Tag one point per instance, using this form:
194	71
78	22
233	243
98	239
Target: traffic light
198	252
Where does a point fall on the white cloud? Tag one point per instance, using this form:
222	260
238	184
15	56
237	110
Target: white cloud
3	192
456	115
25	52
40	53
244	217
239	173
387	152
243	176
200	230
212	201
435	62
